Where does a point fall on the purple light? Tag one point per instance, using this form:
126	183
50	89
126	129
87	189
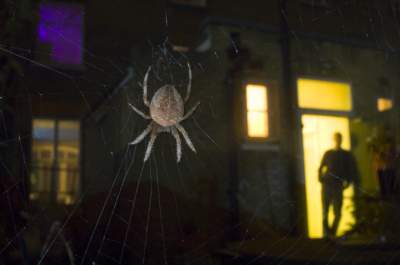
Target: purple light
60	27
42	32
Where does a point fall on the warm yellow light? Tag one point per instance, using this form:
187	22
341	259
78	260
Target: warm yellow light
326	95
43	124
257	124
318	133
256	96
384	104
44	144
257	111
62	182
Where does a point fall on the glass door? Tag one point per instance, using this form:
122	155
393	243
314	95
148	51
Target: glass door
317	132
324	106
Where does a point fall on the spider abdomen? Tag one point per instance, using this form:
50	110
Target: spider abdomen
166	106
166	112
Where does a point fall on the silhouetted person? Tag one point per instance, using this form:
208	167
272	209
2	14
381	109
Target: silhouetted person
337	170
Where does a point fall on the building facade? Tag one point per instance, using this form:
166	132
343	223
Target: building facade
275	80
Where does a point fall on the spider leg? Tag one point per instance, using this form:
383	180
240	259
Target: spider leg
185	136
178	144
153	137
189	85
146	77
190	112
141	136
147	117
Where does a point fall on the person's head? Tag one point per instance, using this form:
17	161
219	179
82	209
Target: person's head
337	138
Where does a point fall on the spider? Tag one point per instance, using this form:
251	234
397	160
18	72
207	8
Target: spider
166	114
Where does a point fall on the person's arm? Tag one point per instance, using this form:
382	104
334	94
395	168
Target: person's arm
321	167
351	170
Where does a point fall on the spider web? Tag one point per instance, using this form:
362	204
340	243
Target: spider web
145	213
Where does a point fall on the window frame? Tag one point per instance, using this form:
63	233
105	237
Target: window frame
326	79
266	111
261	143
52	196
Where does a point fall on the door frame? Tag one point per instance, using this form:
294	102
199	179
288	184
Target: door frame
301	177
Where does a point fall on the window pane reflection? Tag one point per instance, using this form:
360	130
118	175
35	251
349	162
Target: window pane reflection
55	160
68	161
43	133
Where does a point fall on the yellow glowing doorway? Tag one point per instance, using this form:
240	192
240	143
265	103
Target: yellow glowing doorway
317	134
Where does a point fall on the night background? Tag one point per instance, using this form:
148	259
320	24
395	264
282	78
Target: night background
195	132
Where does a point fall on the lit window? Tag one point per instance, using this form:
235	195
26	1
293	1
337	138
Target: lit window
51	174
325	95
257	111
384	104
60	33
